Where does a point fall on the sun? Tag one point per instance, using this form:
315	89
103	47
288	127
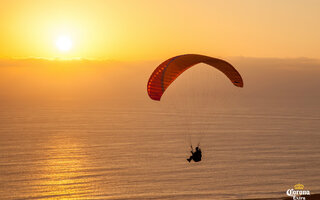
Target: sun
64	43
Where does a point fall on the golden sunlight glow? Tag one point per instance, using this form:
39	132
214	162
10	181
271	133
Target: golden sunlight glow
131	30
64	43
63	169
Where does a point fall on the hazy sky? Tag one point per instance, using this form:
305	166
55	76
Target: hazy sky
145	30
136	36
265	80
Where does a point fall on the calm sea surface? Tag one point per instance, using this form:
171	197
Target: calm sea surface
117	151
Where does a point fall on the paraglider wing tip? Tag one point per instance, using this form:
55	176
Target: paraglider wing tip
156	98
238	84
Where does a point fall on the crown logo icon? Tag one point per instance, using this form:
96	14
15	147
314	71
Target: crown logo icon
298	186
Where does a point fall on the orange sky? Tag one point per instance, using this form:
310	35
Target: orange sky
144	30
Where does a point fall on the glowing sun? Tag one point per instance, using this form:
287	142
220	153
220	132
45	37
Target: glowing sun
64	43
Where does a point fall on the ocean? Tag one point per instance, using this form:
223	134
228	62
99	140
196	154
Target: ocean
65	150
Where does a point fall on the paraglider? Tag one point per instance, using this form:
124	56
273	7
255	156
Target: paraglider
168	71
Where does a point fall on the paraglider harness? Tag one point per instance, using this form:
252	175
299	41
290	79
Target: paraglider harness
196	155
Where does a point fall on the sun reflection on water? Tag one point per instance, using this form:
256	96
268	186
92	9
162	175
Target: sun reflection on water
65	170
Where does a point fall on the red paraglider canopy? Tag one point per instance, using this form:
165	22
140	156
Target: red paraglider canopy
170	69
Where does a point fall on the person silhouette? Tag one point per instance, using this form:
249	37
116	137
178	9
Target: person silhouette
196	155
